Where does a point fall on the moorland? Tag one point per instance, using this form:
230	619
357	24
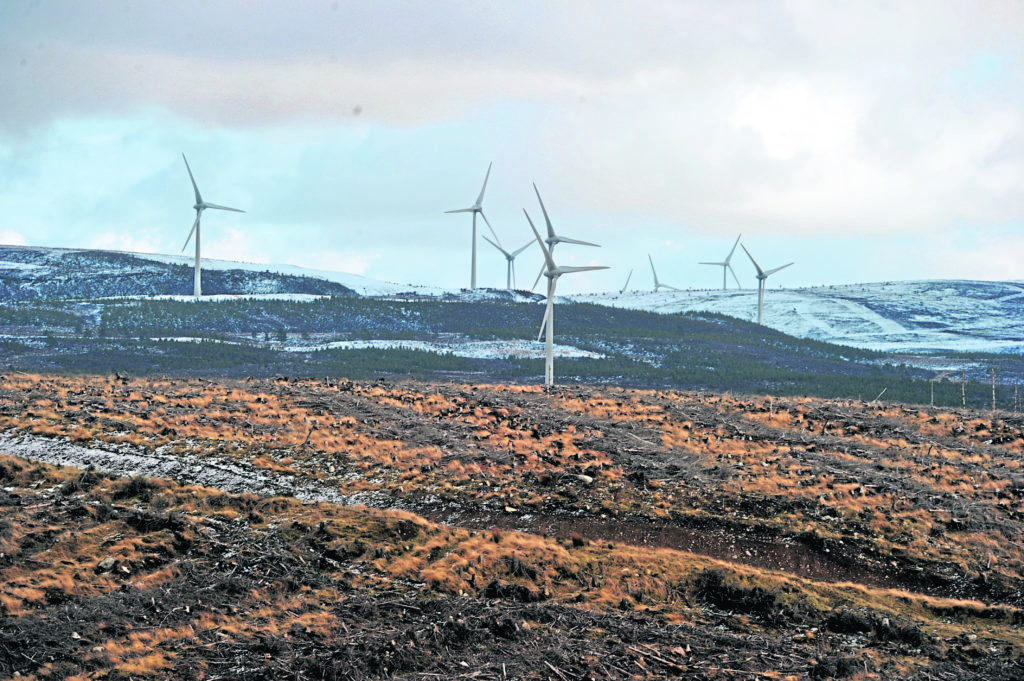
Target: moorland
443	529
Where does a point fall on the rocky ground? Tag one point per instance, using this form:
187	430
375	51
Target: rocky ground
330	529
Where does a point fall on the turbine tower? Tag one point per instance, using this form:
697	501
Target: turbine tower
553	239
510	274
657	284
474	209
552	272
761	277
726	266
200	207
626	285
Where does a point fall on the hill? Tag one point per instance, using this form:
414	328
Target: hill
99	312
902	317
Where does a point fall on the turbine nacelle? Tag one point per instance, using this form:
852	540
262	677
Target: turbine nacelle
475	209
726	267
199	207
762	278
552	272
510	259
761	274
552	239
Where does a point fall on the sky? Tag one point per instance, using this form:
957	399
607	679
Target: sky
864	141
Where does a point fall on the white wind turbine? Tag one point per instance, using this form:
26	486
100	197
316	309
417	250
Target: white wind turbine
761	277
726	266
510	274
474	209
200	207
553	239
657	284
552	272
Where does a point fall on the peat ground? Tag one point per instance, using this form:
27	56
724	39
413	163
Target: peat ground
517	533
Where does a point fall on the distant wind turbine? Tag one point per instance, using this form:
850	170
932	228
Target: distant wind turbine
657	284
626	285
510	274
726	266
474	209
200	207
552	272
761	277
553	239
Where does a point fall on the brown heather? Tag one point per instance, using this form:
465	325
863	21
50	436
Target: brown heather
752	514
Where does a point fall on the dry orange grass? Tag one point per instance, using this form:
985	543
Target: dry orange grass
390	552
282	428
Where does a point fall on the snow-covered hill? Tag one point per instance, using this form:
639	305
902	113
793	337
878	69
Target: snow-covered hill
904	317
908	316
361	285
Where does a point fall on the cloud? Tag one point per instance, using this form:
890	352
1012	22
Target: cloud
230	243
647	122
9	237
119	241
337	261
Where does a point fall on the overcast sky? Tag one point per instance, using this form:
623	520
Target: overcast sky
866	141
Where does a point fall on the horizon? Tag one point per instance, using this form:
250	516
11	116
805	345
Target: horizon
864	143
313	272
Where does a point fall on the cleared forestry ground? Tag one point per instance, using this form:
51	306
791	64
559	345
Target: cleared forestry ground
505	532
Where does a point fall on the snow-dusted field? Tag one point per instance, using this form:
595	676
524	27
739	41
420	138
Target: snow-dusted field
496	349
909	316
938	316
361	285
521	349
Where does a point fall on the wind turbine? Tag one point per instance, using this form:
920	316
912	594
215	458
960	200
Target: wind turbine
553	239
726	266
474	209
200	207
510	275
761	277
626	285
552	272
657	284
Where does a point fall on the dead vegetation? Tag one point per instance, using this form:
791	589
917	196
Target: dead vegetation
666	533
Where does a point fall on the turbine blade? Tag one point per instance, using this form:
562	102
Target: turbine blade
588	268
462	210
543	268
195	225
493	233
777	269
551	230
653	271
760	272
737	279
528	244
547	254
199	199
495	245
547	315
214	205
720	264
729	257
566	240
480	199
